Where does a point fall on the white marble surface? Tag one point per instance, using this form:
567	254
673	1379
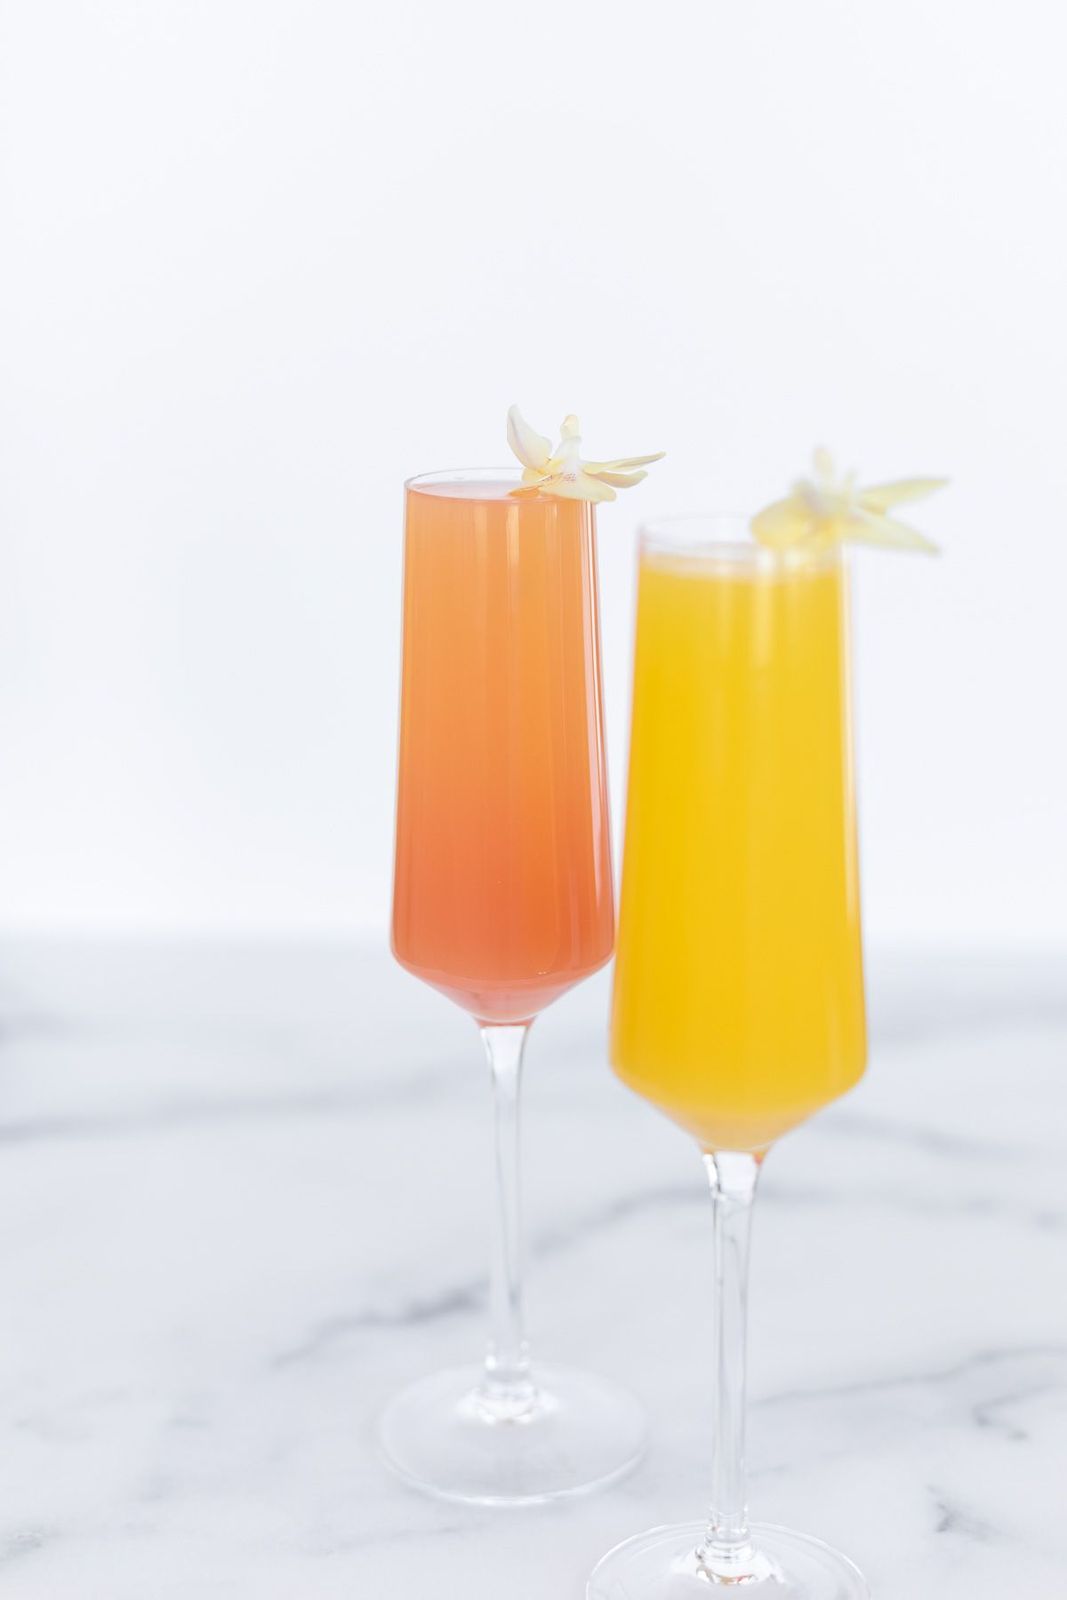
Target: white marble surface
241	1200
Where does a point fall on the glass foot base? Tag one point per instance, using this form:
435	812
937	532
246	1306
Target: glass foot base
563	1434
667	1564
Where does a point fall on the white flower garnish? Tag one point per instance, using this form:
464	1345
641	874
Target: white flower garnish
561	472
828	509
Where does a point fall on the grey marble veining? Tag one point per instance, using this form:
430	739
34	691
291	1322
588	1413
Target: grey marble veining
242	1200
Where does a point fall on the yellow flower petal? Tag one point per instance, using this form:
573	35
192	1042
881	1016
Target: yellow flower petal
882	496
624	463
579	487
785	523
866	527
823	462
621	480
532	450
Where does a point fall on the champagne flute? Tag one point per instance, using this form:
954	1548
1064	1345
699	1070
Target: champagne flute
738	1002
503	900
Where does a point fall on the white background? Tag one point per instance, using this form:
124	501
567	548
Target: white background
261	260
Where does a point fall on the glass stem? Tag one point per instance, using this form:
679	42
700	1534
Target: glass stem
507	1388
727	1550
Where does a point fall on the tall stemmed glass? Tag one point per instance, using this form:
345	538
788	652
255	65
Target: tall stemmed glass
738	1006
503	900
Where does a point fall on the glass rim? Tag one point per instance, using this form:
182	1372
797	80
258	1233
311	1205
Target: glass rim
427	480
723	540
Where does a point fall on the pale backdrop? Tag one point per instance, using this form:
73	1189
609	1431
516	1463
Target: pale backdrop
260	259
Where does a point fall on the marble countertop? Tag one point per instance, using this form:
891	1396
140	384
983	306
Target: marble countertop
242	1201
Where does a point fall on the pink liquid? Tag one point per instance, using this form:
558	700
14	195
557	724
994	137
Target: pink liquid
503	888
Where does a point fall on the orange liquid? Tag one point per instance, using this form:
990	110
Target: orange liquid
503	888
739	981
